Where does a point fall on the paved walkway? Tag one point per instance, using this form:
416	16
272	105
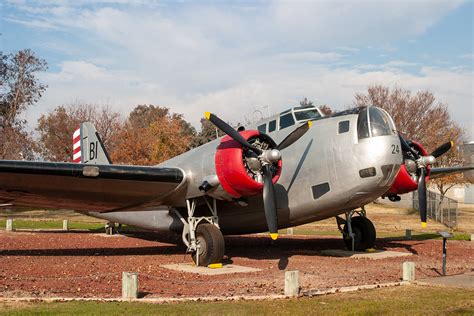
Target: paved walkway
465	280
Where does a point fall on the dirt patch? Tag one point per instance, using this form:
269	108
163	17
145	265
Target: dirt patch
80	264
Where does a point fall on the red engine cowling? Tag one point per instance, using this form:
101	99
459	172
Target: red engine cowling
404	183
231	170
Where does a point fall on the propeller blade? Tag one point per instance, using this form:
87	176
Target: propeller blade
226	128
295	135
406	147
442	149
269	202
422	197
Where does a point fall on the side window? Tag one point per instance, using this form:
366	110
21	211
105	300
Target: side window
343	127
272	126
262	128
362	124
286	120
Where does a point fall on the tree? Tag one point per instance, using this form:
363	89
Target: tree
420	118
208	133
19	85
56	128
152	135
325	109
19	89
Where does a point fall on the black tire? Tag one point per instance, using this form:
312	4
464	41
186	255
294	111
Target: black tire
364	231
211	245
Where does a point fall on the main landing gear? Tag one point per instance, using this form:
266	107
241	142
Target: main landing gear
112	228
358	232
202	234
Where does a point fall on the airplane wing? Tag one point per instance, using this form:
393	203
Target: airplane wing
441	172
84	187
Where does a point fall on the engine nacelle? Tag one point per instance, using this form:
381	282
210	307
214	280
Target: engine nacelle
406	180
232	169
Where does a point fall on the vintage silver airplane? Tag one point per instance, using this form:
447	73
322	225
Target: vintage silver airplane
293	168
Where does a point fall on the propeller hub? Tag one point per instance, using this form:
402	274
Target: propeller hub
410	165
424	161
271	156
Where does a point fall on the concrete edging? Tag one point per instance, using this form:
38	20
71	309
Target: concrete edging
163	300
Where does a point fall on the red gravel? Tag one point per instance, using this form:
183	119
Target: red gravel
75	264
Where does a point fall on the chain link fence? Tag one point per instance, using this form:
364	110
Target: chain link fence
439	208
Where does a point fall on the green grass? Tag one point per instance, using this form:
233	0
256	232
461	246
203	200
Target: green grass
403	300
58	224
50	224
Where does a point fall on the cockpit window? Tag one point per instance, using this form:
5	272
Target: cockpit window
363	124
307	115
373	122
379	122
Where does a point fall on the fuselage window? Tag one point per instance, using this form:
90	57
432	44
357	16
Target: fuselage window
343	127
286	120
272	126
262	128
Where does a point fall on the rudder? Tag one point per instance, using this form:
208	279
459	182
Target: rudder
88	147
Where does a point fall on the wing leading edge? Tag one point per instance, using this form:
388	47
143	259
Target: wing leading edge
83	187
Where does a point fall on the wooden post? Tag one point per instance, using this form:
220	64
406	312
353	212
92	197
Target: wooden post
289	231
65	224
292	286
9	225
408	234
408	271
129	285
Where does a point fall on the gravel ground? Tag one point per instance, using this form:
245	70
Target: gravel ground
80	264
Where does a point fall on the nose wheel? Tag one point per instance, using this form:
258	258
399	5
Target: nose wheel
358	233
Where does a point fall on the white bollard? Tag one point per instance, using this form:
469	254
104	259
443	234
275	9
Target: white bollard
129	285
408	271
408	234
472	237
289	231
65	224
292	286
9	226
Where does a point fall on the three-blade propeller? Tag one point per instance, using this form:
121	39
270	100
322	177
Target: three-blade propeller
422	162
267	157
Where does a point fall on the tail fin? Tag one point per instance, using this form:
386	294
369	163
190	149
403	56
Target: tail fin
88	147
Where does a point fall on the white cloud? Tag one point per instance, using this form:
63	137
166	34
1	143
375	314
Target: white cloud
232	60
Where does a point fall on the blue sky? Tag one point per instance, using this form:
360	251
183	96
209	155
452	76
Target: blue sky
235	57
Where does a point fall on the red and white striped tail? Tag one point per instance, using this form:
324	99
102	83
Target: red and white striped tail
76	147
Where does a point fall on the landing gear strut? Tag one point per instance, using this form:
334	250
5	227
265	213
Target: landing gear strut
358	232
202	234
112	229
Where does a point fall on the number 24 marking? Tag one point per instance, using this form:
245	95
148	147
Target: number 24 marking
395	149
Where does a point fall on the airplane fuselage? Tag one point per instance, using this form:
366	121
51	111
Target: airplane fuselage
337	166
